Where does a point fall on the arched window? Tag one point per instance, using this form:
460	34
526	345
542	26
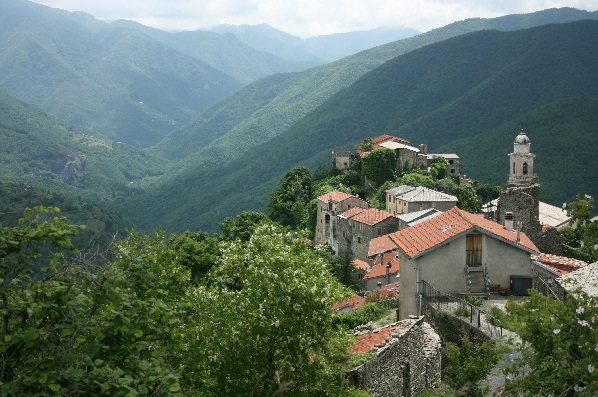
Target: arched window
524	168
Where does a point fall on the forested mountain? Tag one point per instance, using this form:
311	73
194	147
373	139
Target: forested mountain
107	80
231	127
472	91
37	149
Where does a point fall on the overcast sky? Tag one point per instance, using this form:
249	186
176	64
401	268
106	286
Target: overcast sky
307	17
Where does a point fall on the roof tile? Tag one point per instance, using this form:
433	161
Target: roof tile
372	216
433	232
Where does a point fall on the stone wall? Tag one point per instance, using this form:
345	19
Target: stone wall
405	364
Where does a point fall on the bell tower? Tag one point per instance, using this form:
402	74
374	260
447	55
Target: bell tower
521	162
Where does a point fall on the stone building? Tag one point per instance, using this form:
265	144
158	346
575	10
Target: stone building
357	226
405	199
521	199
329	206
342	159
407	359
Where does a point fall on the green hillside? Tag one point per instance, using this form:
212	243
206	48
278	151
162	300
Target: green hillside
106	80
488	82
39	150
281	107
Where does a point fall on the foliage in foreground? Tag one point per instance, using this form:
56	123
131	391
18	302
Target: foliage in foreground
560	355
258	320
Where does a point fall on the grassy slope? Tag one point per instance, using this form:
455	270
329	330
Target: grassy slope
452	90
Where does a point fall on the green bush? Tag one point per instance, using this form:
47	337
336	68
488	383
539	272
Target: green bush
365	314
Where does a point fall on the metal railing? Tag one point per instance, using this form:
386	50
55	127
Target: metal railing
450	303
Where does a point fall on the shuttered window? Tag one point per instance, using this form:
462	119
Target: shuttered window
473	246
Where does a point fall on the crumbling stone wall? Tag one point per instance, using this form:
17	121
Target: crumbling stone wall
404	365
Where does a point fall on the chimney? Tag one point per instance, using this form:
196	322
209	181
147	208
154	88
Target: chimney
509	221
388	266
518	231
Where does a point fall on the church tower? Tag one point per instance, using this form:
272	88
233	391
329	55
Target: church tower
521	162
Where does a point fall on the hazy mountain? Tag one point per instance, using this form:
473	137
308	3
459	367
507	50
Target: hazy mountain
476	91
316	49
270	106
108	80
335	46
224	52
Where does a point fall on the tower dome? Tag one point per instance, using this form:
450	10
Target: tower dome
522	139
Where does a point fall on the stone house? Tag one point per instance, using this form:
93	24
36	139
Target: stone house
461	253
407	359
350	304
357	226
342	159
405	199
329	206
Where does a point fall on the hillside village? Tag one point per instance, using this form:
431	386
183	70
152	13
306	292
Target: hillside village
423	242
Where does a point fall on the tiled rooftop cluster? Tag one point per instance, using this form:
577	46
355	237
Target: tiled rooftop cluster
377	340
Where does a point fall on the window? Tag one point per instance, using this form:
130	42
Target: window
473	248
360	276
452	170
524	168
358	240
513	168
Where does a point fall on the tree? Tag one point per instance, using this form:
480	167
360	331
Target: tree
289	202
242	226
581	240
560	351
439	167
379	165
197	251
271	306
75	326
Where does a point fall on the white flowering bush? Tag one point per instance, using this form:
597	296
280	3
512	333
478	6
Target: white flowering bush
560	351
269	310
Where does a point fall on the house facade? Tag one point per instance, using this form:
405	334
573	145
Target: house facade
460	253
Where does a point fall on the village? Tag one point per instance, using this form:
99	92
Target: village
423	249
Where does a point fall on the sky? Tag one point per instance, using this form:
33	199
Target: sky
305	18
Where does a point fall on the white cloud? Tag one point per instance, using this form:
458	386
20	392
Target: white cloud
307	17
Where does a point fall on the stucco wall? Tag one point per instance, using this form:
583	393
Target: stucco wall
444	269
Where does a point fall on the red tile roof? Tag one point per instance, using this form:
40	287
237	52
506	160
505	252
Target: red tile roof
427	235
359	264
351	212
380	270
381	336
380	245
372	216
354	301
385	138
335	196
383	259
561	264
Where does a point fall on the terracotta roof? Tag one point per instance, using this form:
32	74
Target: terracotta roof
386	137
385	258
380	245
351	212
379	339
372	216
425	236
335	196
355	301
560	264
390	289
380	270
359	264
